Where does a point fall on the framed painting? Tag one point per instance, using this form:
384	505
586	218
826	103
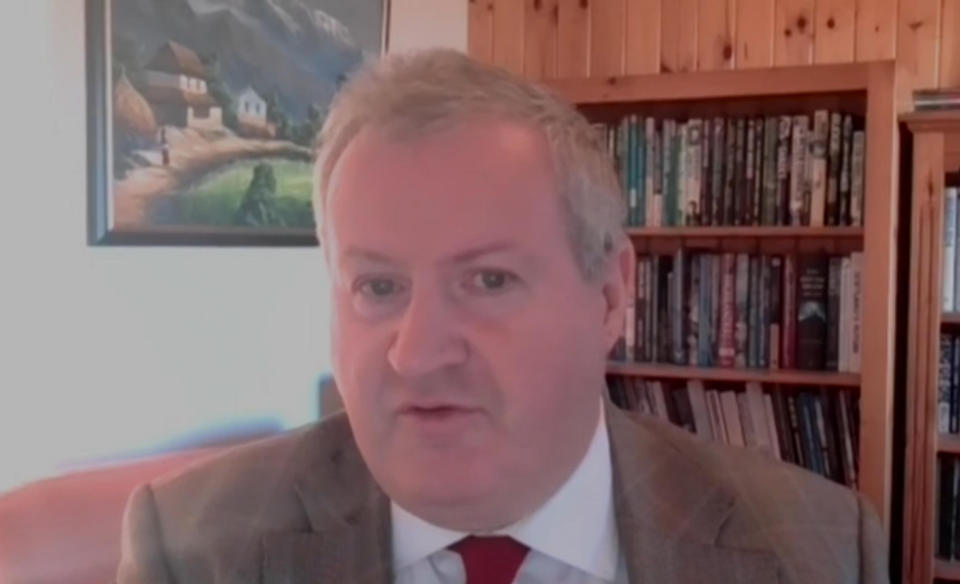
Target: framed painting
202	114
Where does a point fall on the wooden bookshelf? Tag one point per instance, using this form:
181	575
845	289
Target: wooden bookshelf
869	90
782	376
946	570
936	149
948	444
752	232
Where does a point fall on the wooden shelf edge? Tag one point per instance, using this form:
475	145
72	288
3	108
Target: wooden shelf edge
933	121
946	570
748	232
948	443
742	83
784	376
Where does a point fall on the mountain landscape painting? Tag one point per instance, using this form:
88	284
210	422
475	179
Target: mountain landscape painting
212	106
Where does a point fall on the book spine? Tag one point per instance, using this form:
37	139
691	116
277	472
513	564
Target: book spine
747	423
846	315
640	301
694	166
799	451
808	431
656	215
730	174
727	347
740	203
811	311
693	310
716	304
833	315
680	171
788	346
857	178
640	166
756	194
704	337
742	303
772	431
856	329
765	287
944	380
715	408
776	312
631	173
785	123
650	152
683	409
654	312
718	179
784	432
754	401
954	425
798	163
833	170
955	194
754	306
846	160
847	432
731	417
770	180
949	249
818	180
678	318
699	409
706	173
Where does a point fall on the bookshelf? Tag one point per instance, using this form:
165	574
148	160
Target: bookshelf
936	151
869	90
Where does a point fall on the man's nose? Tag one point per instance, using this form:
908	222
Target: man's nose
427	338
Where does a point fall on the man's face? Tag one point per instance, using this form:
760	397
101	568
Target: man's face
467	347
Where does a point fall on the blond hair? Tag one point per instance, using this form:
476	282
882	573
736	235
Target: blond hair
409	94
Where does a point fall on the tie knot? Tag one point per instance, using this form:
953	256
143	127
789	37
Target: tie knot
490	560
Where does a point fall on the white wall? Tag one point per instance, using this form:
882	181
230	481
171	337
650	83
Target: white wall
105	351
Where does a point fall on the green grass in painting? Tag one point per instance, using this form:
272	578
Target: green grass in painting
215	199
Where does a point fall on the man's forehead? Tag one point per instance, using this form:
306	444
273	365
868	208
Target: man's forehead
463	254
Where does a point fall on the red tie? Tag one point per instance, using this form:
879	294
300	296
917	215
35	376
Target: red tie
490	560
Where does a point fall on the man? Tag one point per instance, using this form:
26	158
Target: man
472	227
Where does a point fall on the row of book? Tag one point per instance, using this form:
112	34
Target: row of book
816	429
948	396
741	310
951	271
779	170
948	507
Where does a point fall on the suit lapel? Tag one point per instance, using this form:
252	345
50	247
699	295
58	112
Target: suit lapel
350	520
670	512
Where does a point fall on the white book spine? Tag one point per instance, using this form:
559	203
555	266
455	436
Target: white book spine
949	249
798	167
731	417
718	427
747	424
818	192
856	328
956	245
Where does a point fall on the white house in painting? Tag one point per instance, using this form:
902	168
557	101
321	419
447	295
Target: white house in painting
176	87
252	114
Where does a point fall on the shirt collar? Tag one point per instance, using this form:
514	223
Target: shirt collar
585	500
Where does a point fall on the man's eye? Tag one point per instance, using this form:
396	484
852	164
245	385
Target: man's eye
491	280
379	287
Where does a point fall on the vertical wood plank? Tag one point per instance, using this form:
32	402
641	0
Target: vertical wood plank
573	20
678	36
643	37
950	45
793	44
923	356
480	30
918	40
607	37
716	34
540	45
876	30
508	35
834	32
879	284
754	33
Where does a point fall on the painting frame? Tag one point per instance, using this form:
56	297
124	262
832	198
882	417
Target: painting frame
101	227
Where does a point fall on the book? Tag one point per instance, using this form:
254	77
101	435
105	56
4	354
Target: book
731	418
698	407
834	164
818	168
789	315
857	166
772	427
727	350
776	311
832	357
811	311
856	311
714	407
798	168
758	416
741	305
949	248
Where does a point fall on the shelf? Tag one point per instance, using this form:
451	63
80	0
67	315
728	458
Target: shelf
785	81
948	444
748	232
946	570
784	376
950	318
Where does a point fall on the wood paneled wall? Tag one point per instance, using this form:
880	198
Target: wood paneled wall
580	38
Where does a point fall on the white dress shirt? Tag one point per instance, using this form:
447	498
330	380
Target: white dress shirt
572	537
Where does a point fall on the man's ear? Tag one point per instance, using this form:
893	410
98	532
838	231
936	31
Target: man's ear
617	279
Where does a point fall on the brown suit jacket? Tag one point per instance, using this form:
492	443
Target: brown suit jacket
303	508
